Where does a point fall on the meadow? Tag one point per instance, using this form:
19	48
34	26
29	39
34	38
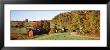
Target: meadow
63	36
21	34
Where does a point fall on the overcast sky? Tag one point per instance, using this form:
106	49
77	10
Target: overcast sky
20	15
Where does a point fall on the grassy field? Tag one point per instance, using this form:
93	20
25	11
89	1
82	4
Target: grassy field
63	36
21	35
18	30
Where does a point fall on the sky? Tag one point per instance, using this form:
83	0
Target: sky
34	15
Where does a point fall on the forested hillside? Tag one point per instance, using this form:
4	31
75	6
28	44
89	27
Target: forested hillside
82	21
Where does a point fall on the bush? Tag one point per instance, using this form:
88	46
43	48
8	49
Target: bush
43	24
52	30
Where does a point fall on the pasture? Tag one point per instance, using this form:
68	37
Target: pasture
63	36
21	34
